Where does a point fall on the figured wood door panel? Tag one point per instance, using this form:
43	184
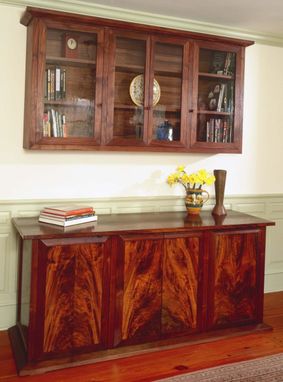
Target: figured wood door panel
180	284
180	287
74	307
141	302
233	277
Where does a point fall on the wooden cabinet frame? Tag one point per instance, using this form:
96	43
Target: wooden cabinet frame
143	281
38	20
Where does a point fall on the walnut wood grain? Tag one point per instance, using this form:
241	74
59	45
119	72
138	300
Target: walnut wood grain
180	284
235	284
142	289
73	297
106	131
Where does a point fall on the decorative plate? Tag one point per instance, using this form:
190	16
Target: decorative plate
137	90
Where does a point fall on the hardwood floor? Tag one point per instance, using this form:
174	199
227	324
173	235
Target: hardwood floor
149	367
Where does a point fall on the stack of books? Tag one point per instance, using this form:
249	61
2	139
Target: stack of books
67	215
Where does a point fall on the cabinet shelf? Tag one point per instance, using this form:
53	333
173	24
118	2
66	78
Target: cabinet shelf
140	70
67	103
172	109
53	60
216	76
214	112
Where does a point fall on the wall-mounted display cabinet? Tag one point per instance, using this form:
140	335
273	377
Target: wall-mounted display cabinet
95	84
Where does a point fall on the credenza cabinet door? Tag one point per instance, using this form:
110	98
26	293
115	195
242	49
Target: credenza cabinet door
235	278
71	306
138	289
158	292
181	284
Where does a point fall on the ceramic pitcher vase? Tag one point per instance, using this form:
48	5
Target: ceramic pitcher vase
195	200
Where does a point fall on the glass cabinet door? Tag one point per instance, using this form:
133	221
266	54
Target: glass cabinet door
217	125
126	114
166	98
72	99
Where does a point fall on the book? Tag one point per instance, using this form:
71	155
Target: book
57	83
221	97
66	223
62	218
68	210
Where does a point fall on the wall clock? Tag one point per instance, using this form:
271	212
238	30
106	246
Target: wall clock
70	46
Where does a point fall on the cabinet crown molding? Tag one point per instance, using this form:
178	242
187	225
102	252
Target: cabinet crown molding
99	10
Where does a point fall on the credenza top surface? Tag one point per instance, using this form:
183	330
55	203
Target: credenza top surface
30	228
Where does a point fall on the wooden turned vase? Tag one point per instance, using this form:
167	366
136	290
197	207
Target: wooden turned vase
220	179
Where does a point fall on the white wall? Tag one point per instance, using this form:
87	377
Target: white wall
32	175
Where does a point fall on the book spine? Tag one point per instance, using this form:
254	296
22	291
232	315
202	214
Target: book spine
48	84
68	213
63	83
221	96
57	83
54	123
65	218
52	84
65	223
64	126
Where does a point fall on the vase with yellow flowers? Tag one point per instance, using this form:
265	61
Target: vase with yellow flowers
193	183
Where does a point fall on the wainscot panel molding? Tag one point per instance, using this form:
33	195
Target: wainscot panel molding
109	12
264	206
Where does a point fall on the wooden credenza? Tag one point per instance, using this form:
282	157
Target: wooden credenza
134	283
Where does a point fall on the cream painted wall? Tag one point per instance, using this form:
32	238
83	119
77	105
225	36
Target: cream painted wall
36	175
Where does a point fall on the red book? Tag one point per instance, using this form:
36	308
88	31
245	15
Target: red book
68	210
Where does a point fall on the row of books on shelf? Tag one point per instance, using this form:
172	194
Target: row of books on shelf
54	124
219	130
55	83
66	216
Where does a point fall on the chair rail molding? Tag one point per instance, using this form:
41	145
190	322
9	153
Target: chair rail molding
264	206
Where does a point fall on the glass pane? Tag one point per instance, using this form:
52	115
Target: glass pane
129	88
168	62
217	62
69	89
213	129
216	95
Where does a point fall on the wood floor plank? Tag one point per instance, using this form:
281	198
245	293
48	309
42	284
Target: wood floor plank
160	364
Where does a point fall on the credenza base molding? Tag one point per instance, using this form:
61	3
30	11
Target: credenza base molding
25	368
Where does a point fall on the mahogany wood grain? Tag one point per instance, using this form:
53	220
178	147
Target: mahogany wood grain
180	284
234	277
29	228
165	363
142	289
132	283
73	303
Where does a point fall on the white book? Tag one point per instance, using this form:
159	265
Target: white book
221	97
67	223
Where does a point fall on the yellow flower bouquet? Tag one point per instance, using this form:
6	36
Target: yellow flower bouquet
193	184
